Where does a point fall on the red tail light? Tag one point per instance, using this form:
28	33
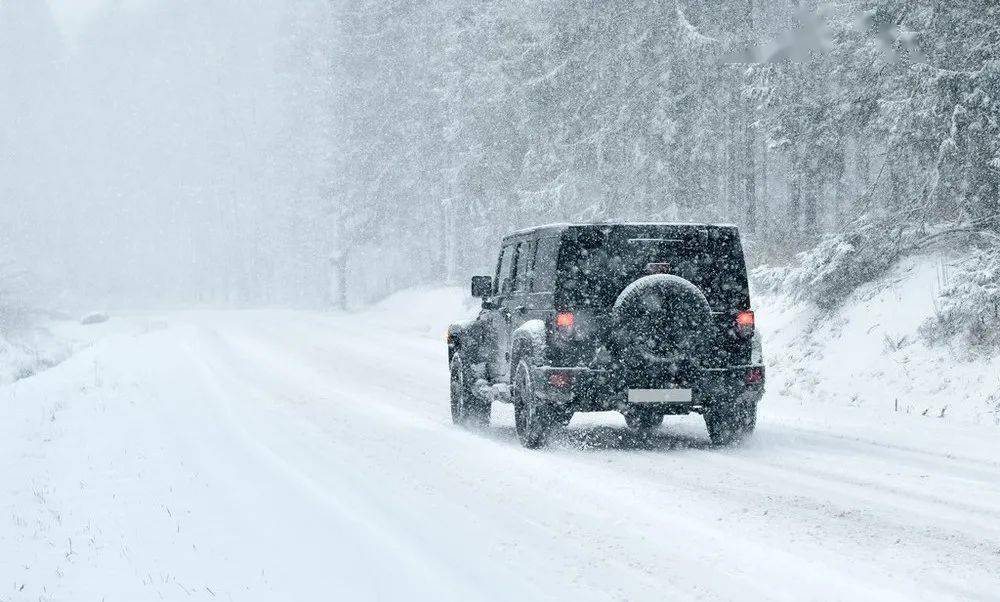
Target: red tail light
559	379
754	376
564	319
744	319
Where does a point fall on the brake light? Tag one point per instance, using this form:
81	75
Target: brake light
753	376
744	318
559	379
564	319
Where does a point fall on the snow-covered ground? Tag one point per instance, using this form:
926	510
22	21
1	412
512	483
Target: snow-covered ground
34	345
278	455
868	357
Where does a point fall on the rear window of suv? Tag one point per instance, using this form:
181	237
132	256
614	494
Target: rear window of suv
597	263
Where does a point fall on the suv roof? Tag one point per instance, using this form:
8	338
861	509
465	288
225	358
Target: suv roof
560	227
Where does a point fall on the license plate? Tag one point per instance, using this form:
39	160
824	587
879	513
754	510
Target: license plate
659	395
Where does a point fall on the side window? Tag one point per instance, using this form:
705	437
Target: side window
524	253
502	281
544	270
532	260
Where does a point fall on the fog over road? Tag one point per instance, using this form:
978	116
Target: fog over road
297	456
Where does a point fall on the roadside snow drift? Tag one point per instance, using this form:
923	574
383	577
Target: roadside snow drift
278	455
868	356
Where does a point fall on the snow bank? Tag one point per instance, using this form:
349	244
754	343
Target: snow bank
33	348
26	352
427	311
17	361
98	317
867	354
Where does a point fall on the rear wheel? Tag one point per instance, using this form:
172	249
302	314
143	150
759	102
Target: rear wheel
643	420
731	423
466	409
532	417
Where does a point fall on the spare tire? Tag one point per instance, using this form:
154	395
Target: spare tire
662	320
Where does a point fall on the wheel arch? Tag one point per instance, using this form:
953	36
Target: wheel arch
527	341
459	335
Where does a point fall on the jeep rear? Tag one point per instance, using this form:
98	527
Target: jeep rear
646	319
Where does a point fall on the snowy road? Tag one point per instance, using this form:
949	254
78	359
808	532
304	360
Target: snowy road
296	456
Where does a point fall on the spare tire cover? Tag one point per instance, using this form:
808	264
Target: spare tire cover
661	319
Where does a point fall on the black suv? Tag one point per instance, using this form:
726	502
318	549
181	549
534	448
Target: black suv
646	319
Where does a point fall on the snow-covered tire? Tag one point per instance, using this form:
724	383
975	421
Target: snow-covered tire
533	419
466	409
731	423
643	420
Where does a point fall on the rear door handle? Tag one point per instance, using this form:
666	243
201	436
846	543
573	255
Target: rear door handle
522	309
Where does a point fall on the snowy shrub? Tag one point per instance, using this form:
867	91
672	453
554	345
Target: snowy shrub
14	297
19	357
969	308
98	317
827	273
19	360
769	279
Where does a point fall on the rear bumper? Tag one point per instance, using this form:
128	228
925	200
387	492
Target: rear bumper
591	390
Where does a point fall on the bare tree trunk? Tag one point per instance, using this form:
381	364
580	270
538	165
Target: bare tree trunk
795	200
338	265
750	168
732	155
750	173
764	200
810	211
840	189
448	240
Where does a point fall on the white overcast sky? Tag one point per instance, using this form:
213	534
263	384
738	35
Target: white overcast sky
72	14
